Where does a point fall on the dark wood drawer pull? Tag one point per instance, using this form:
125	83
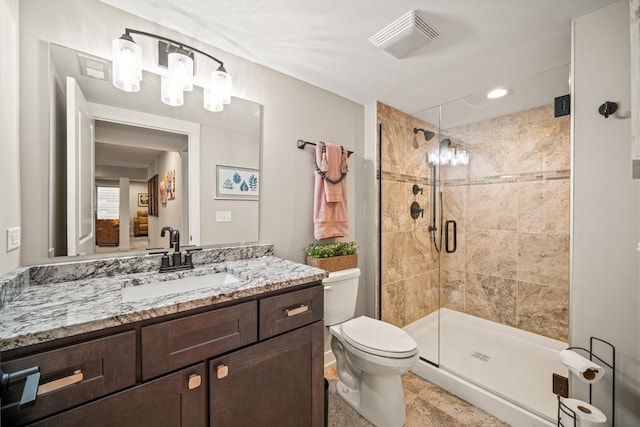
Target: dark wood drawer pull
75	378
298	310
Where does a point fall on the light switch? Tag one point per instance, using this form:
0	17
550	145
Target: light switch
13	238
223	216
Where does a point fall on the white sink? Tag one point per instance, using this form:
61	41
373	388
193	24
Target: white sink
160	288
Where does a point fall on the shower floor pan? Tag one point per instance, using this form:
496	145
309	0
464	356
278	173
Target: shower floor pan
477	356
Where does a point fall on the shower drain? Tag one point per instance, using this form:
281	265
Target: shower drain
481	356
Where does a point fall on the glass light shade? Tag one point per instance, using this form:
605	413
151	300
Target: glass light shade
181	70
465	157
127	65
171	93
226	96
221	84
433	158
212	100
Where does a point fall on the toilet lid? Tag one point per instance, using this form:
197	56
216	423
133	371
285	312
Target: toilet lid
379	338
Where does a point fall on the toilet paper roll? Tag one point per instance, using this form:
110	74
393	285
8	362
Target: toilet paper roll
586	415
585	369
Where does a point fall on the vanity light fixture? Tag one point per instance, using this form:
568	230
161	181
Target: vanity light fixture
178	58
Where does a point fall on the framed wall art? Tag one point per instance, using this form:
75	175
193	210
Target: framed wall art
152	186
143	200
233	182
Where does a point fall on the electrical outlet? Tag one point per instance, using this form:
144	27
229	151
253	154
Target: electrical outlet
560	385
13	238
223	216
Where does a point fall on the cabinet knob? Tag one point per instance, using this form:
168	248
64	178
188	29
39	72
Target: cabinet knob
194	381
222	371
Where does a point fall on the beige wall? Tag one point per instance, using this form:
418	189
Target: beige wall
292	110
605	289
169	213
512	260
9	165
224	147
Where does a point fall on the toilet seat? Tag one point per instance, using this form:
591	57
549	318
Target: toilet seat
378	338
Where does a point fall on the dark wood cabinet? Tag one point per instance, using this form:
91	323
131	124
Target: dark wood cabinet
168	401
72	375
255	362
278	382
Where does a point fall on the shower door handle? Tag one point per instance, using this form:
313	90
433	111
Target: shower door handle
447	247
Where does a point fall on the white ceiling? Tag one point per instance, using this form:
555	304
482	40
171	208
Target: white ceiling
482	44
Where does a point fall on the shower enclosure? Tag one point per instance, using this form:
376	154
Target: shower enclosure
474	238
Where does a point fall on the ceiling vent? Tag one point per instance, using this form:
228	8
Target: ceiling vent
94	67
405	35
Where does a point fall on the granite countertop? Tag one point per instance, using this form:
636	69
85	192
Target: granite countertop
48	311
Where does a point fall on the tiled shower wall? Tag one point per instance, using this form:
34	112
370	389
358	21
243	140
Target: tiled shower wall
409	265
511	205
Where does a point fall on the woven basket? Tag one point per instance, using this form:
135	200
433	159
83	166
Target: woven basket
335	263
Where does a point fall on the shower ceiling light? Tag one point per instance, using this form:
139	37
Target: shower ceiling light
178	57
497	93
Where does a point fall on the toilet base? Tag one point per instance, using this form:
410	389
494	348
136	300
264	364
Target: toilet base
380	399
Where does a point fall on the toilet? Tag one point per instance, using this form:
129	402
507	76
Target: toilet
371	355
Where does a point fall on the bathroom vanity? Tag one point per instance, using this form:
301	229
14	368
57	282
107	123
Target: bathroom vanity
248	352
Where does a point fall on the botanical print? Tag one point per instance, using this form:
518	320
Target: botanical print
237	182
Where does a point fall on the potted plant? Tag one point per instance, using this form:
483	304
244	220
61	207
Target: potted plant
333	256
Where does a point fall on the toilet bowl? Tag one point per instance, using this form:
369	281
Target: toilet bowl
371	355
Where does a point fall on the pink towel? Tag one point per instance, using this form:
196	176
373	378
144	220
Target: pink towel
330	217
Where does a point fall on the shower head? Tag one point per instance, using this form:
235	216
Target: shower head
445	143
428	135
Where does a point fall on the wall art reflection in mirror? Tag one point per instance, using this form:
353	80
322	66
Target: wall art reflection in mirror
234	182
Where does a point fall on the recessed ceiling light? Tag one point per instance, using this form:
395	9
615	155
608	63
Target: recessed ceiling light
497	93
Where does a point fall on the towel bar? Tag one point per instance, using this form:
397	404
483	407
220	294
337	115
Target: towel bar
302	144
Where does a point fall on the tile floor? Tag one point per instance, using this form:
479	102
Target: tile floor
427	406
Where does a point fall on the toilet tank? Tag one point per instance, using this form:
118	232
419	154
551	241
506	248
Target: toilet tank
340	295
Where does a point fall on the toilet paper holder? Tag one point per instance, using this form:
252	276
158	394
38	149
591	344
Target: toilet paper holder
562	408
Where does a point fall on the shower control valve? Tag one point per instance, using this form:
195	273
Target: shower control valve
416	210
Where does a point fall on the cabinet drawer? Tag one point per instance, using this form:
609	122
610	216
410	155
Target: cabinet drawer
176	343
72	375
178	399
291	310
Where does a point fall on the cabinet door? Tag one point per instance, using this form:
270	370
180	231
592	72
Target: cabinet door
178	399
278	382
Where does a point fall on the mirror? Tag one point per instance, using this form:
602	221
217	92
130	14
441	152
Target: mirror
145	165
